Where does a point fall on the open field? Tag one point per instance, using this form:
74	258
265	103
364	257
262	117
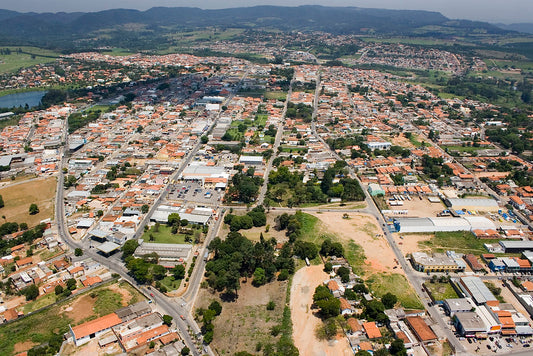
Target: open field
304	320
461	242
164	235
441	291
365	250
245	323
397	284
38	328
30	56
18	197
278	95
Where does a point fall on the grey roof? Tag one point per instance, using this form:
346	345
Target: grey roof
487	203
108	247
165	251
5	160
458	304
471	322
525	245
134	311
99	233
478	290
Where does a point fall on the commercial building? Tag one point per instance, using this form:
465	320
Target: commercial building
251	160
457	305
479	292
166	252
516	246
470	204
439	262
85	332
441	224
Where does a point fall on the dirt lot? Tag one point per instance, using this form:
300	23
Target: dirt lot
363	230
409	243
400	140
246	322
126	295
80	309
303	319
24	346
18	197
420	208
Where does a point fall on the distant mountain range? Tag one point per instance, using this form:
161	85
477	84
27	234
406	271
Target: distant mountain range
138	28
519	27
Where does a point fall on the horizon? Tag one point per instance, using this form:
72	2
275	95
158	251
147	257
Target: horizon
493	11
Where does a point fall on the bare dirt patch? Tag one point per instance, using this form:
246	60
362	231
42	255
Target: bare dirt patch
18	197
24	346
363	230
410	242
126	295
400	140
420	208
246	322
304	320
80	309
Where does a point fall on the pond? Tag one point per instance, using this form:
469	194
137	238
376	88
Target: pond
32	98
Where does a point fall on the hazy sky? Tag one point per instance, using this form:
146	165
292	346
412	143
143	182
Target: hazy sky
486	10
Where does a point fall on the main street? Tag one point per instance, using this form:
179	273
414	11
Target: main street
181	315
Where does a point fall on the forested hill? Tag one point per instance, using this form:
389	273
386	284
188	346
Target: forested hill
62	29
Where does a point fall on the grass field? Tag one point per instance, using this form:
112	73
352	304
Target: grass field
460	241
14	61
18	197
278	95
38	328
441	291
468	149
170	283
382	283
313	231
164	236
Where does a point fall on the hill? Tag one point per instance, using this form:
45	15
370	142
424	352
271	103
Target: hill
144	29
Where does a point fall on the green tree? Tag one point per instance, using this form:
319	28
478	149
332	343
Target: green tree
129	248
78	252
58	289
389	300
34	209
31	292
216	307
185	351
397	348
204	139
178	272
71	284
167	320
159	272
1	202
145	208
259	277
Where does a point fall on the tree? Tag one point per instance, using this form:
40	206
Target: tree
31	292
178	272
58	289
167	320
71	284
1	202
78	252
328	267
34	209
389	300
159	272
216	307
259	277
344	273
271	305
204	139
129	248
185	351
173	219
145	208
397	348
305	249
23	226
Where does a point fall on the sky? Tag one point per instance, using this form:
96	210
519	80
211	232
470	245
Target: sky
505	11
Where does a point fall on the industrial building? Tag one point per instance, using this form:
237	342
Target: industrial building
442	224
479	292
439	262
169	254
471	204
516	246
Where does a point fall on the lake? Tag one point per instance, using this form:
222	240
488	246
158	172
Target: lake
32	98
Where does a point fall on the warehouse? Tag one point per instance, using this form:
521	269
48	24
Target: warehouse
470	204
516	246
166	252
428	225
479	292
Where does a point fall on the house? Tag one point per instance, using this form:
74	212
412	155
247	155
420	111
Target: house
421	329
346	308
517	202
85	332
371	330
334	288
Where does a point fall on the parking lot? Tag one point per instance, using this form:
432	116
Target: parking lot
497	344
194	192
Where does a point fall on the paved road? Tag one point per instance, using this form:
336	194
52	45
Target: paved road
277	141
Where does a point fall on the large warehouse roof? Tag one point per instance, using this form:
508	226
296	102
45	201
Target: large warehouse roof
442	224
470	202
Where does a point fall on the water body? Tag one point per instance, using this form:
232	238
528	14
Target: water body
32	98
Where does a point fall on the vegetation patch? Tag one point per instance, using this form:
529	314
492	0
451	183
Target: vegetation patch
459	241
440	290
383	283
